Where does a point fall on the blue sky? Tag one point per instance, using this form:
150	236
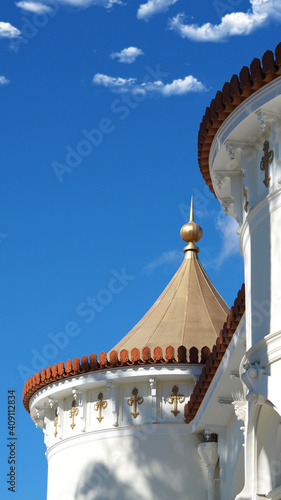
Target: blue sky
101	102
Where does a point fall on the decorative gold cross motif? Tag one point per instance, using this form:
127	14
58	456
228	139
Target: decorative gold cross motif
175	399
134	401
266	160
246	200
73	413
100	405
56	420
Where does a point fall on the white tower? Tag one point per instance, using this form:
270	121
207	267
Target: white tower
114	426
239	156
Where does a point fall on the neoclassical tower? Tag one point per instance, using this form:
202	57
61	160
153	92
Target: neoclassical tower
114	426
239	156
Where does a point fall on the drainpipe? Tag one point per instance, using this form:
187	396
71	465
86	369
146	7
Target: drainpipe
209	454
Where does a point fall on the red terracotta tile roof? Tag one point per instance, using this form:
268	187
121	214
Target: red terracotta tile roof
234	93
76	367
210	359
215	357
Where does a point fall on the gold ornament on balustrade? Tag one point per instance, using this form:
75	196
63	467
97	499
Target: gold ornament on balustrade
73	413
175	399
56	421
266	160
134	401
99	406
246	204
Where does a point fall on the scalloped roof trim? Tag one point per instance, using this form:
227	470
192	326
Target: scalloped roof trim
232	94
76	367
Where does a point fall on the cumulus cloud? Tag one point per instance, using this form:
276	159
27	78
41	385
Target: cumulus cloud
4	80
152	7
233	24
8	31
35	7
227	228
169	257
128	55
123	85
180	87
118	84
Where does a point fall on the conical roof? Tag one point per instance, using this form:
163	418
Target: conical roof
189	312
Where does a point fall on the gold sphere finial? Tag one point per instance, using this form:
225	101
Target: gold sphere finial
191	232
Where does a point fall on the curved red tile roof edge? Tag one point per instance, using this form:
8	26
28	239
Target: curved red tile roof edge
232	94
76	367
215	356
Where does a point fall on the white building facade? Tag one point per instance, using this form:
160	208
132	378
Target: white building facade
188	404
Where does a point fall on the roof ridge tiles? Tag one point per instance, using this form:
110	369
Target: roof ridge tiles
84	364
245	81
72	368
277	53
269	66
213	361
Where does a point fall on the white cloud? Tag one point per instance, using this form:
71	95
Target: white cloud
4	80
42	6
177	87
180	87
128	55
236	23
106	4
152	7
35	7
227	227
117	84
8	31
169	257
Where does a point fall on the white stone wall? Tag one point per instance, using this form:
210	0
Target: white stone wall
119	457
145	463
232	460
252	195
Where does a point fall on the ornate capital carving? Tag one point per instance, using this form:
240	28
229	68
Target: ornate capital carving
251	377
240	409
75	394
226	202
266	118
233	150
220	179
230	149
39	416
52	402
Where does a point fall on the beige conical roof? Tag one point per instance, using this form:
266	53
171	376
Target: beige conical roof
189	312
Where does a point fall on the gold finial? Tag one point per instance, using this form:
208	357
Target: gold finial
191	216
191	232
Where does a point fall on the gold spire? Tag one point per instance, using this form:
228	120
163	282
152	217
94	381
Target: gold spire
191	233
189	311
